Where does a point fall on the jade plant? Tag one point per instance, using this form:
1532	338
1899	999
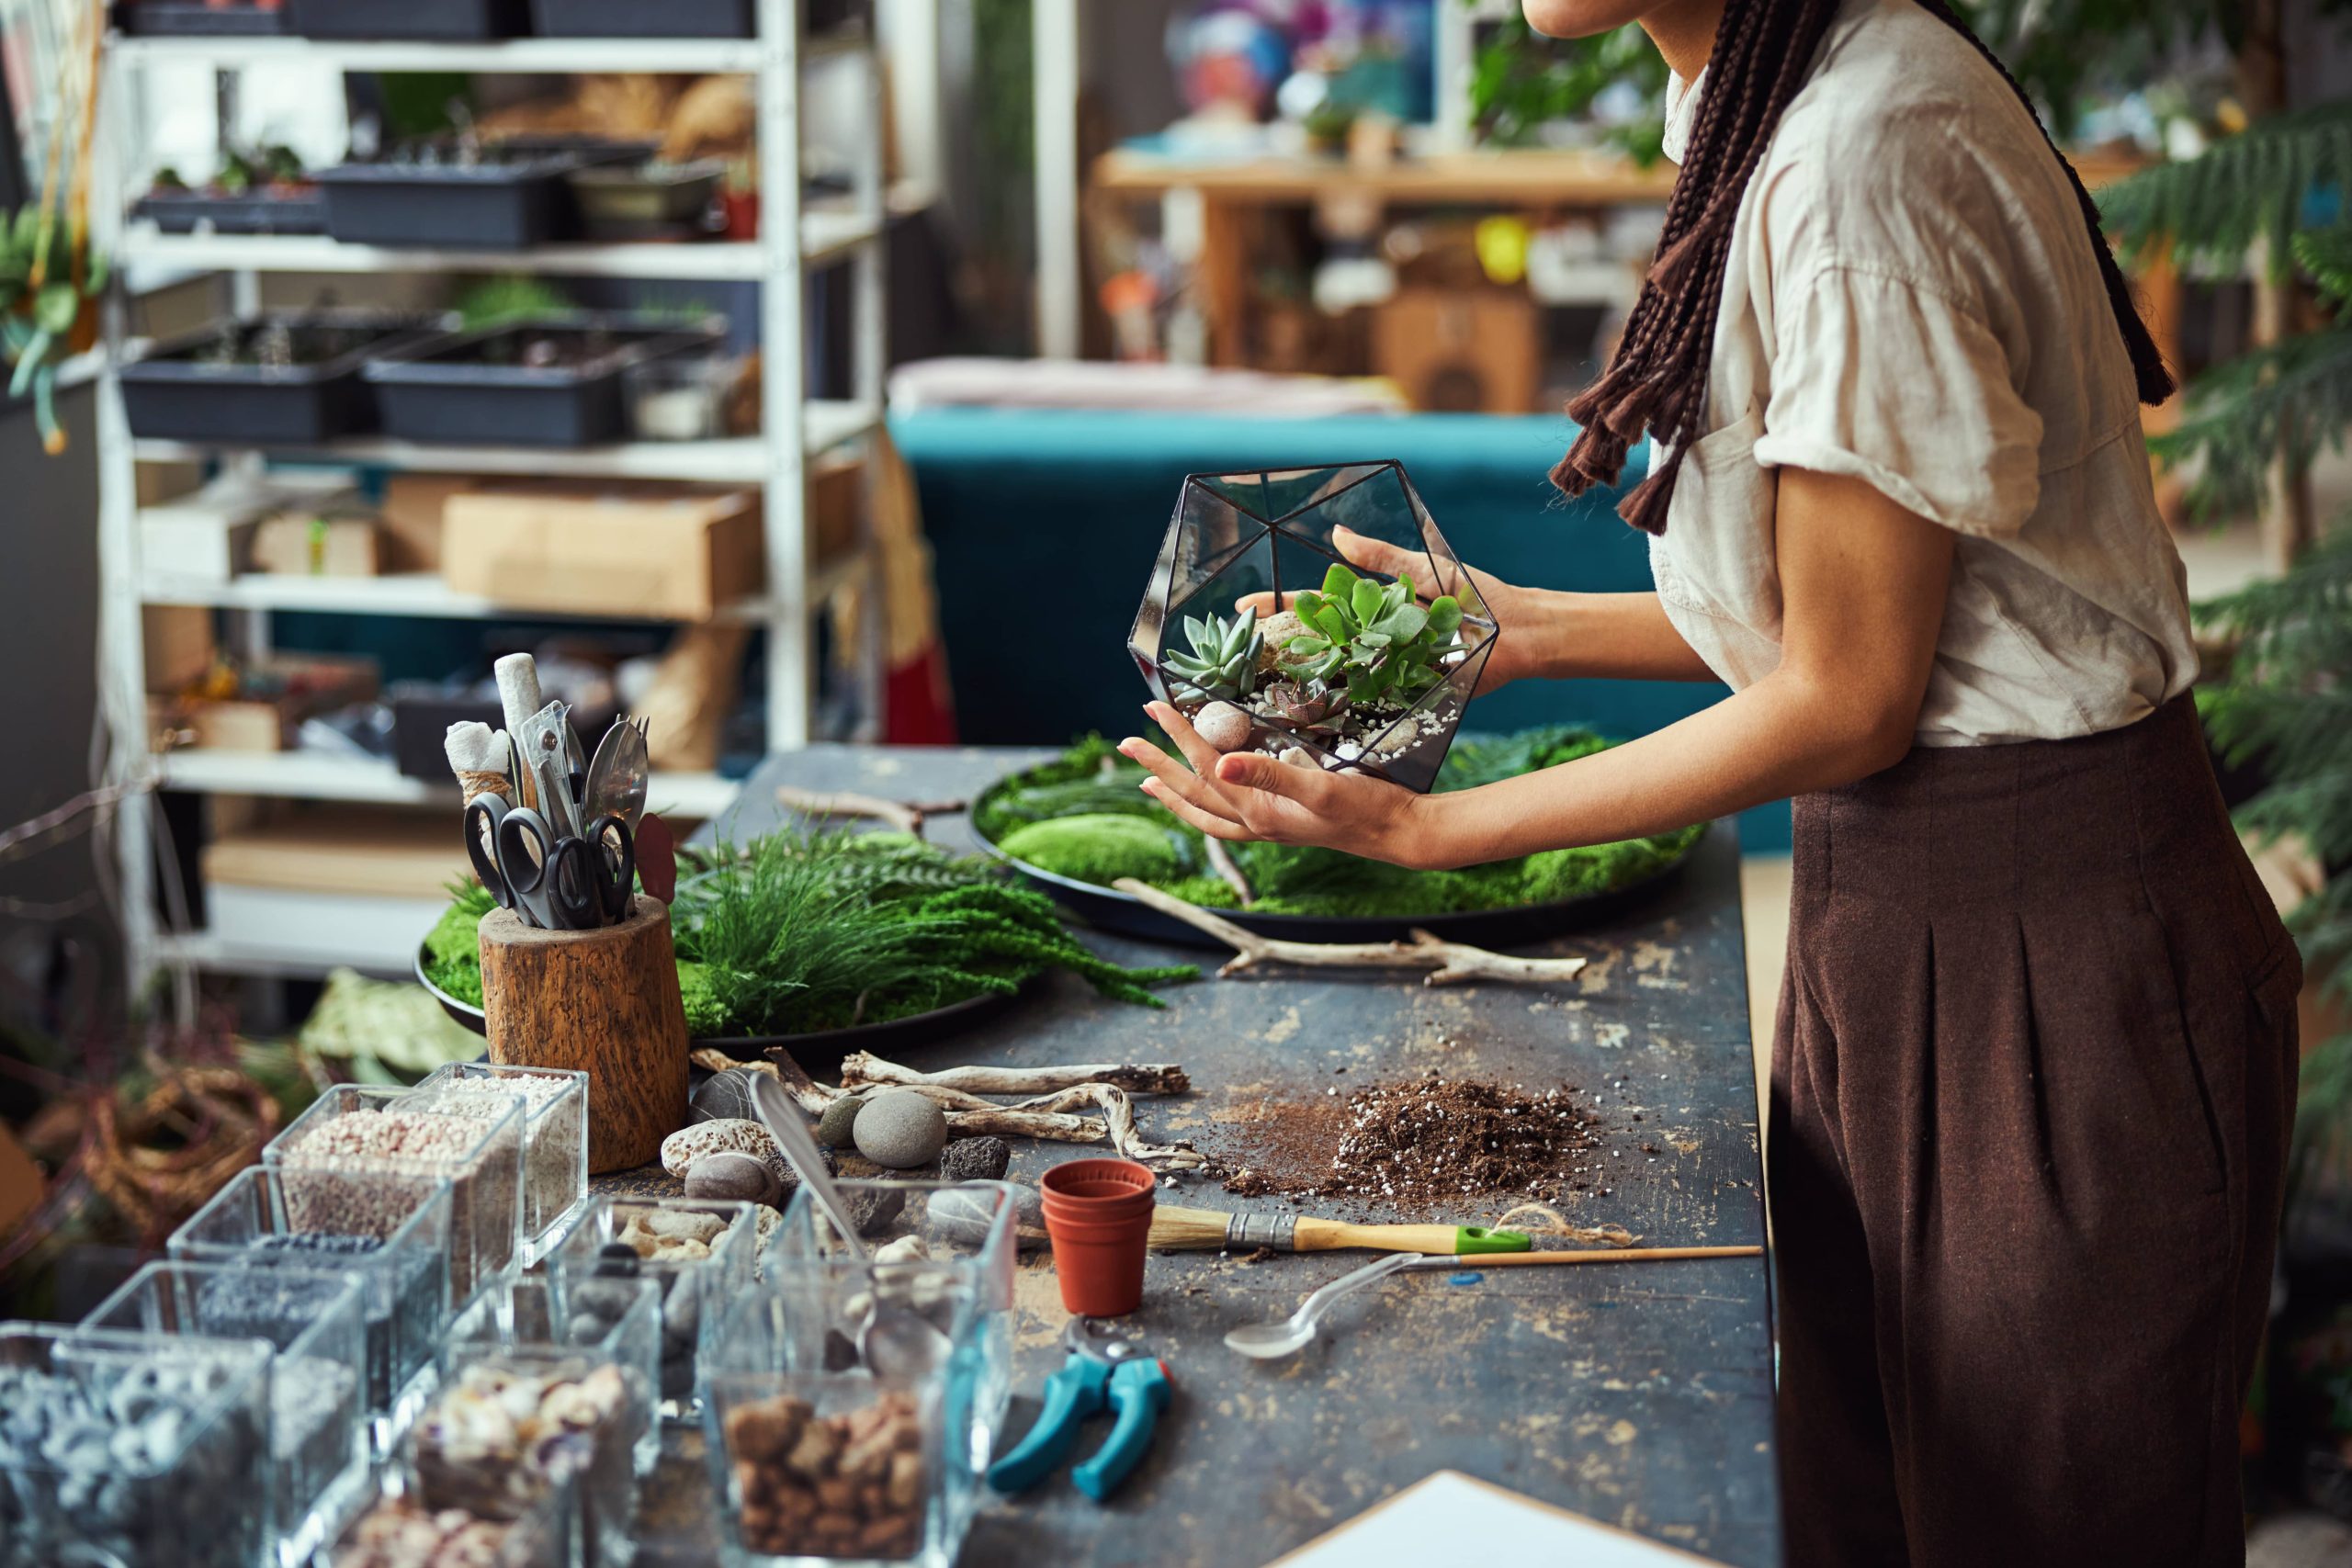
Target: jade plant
46	274
1223	663
1378	642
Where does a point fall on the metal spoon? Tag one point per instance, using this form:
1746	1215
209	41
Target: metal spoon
895	1340
1271	1341
616	778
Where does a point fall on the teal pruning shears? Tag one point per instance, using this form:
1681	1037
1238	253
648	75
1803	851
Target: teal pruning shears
1101	1371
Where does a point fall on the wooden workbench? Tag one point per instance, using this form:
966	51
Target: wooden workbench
1638	1393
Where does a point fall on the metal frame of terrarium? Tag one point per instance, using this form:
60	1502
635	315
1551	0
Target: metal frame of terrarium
1236	534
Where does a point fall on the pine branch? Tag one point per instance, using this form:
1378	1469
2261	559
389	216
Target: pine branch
2251	186
2326	254
2293	399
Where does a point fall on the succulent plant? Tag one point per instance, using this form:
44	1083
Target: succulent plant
1224	658
1378	641
1303	706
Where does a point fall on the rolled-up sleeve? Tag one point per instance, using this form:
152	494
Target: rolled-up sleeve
1884	379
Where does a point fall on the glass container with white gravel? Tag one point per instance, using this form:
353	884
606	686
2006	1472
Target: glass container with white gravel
316	1322
353	1156
112	1441
699	1248
555	1139
617	1321
400	1249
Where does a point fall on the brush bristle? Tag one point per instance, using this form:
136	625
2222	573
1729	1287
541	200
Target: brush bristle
1188	1230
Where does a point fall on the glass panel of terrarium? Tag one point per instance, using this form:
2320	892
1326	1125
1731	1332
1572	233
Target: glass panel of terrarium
1410	750
1294	490
1379	507
1205	535
1246	492
1451	576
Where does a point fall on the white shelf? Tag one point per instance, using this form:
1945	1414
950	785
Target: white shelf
522	55
824	237
825	424
310	775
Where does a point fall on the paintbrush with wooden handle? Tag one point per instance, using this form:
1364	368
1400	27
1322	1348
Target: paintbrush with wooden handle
1212	1230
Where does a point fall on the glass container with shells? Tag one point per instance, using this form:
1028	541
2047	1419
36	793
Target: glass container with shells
700	1250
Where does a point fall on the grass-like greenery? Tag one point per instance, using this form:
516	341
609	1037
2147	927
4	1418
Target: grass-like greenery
1082	815
800	933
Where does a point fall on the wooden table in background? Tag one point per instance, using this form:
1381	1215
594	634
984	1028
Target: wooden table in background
1640	1394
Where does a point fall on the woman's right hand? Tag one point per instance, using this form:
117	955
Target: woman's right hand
1507	606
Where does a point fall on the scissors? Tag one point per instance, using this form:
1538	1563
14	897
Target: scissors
589	878
511	847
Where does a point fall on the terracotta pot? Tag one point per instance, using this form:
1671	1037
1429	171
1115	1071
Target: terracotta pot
1098	1214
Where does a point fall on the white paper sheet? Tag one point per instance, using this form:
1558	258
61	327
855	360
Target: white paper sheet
1452	1517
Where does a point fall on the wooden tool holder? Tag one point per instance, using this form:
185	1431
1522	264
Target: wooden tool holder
605	1002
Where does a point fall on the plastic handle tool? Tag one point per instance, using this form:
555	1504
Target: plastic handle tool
1470	1240
1072	1395
1139	1390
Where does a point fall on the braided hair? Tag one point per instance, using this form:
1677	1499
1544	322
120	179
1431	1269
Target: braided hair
1656	383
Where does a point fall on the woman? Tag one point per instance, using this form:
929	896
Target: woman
2035	1060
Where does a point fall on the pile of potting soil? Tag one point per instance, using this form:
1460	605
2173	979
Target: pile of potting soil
1422	1141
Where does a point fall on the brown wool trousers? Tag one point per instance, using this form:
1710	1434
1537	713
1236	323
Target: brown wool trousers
2031	1090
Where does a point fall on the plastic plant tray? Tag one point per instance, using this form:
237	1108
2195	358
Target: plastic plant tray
172	395
636	19
510	204
193	18
454	20
459	392
303	211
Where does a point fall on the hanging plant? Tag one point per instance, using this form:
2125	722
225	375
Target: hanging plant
49	285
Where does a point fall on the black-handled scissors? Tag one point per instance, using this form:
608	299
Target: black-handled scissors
590	877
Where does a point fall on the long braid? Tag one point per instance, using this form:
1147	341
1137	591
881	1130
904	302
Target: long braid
1656	383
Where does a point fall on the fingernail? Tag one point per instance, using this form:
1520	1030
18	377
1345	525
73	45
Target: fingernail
1130	744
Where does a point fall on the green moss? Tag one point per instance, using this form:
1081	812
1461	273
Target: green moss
1101	847
1208	892
453	947
705	1016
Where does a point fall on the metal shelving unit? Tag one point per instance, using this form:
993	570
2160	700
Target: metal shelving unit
797	238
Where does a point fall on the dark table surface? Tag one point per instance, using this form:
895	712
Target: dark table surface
1640	1394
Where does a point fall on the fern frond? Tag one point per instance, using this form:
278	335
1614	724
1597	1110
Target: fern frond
2253	185
2326	254
2293	399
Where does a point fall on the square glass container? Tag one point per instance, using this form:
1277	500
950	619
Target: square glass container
814	1465
959	1274
700	1249
1234	535
617	1321
404	1258
513	1424
681	398
315	1322
555	1139
398	1532
359	1147
111	1441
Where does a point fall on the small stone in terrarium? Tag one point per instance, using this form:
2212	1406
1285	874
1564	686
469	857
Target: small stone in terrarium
1223	726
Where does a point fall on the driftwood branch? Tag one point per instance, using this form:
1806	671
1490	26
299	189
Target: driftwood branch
1449	963
1221	861
906	816
1045	1116
1150	1077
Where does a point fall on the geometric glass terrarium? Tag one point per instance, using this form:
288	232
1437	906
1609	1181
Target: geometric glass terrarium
1357	670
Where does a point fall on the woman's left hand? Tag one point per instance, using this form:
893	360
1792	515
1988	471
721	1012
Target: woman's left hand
1249	795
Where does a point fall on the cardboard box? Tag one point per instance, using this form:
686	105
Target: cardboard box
365	850
177	642
313	683
659	551
306	544
1479	351
206	535
836	499
411	520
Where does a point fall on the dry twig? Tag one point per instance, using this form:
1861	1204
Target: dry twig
1449	963
906	816
1221	861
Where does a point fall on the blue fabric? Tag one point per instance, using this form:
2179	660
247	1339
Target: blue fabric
1045	522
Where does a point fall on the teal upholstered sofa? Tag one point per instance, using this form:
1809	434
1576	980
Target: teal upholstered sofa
1045	524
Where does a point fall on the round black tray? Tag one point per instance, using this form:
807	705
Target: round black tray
813	1051
1107	909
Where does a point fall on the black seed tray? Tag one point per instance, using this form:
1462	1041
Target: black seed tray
459	20
185	212
193	18
445	393
509	205
169	395
639	18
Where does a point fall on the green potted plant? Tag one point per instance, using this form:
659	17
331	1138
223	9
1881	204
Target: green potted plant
51	281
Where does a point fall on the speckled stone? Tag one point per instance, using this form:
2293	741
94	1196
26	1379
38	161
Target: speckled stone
726	1135
975	1159
834	1128
899	1128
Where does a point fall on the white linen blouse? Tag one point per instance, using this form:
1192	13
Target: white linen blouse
1913	300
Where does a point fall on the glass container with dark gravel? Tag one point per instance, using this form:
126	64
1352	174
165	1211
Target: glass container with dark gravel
555	1138
404	1260
316	1324
111	1443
